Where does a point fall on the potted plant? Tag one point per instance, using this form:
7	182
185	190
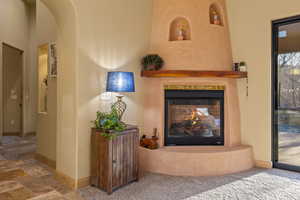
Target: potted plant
242	66
152	62
108	124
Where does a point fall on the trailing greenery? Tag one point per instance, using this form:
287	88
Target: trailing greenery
109	123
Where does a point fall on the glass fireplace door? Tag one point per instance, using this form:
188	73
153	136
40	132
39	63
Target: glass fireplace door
194	118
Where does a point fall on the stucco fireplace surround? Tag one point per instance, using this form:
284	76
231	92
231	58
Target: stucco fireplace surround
195	160
206	58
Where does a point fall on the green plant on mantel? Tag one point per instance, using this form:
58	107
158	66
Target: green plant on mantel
152	62
109	123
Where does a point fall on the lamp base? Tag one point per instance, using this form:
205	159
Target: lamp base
120	107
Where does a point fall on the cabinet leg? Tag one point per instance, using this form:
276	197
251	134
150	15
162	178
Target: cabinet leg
109	190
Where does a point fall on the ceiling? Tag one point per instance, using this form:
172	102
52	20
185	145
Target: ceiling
290	43
292	29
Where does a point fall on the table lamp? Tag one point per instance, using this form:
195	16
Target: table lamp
120	82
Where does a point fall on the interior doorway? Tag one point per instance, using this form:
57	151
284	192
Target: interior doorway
286	93
37	22
12	90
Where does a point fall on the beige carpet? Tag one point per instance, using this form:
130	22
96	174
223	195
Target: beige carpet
256	184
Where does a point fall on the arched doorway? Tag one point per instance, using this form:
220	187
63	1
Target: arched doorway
66	158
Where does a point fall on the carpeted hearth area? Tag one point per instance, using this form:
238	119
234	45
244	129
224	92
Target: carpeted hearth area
22	177
256	184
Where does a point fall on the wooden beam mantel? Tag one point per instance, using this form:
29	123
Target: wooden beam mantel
192	73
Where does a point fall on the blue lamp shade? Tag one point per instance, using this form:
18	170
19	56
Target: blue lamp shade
120	82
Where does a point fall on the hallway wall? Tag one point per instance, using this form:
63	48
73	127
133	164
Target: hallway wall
20	28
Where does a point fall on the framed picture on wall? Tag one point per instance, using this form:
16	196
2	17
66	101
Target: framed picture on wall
52	71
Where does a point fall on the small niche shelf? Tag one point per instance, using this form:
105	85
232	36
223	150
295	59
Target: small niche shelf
215	15
180	30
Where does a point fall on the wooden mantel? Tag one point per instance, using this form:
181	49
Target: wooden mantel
193	73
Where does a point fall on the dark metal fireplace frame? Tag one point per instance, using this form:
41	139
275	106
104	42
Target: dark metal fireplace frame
194	94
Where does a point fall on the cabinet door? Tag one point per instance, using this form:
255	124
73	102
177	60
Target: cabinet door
124	162
100	161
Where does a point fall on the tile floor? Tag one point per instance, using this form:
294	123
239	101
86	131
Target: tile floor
22	177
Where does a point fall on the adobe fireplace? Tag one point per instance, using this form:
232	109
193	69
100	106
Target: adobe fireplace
194	117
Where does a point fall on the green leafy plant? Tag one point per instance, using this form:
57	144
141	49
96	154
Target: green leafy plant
152	62
109	123
243	63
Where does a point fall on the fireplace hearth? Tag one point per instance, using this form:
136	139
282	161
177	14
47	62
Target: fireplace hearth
194	117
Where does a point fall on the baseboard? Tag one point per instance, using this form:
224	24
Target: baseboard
65	179
11	134
45	160
83	182
71	182
19	134
30	134
263	164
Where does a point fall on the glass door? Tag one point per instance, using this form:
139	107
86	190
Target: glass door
286	93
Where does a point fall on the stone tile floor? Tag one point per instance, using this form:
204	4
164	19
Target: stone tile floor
23	178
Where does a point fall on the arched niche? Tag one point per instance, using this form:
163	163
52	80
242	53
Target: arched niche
180	29
215	15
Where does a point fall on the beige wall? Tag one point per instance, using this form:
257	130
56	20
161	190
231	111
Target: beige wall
209	47
94	38
14	23
250	26
113	35
31	72
46	25
46	28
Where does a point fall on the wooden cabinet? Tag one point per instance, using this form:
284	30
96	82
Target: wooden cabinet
114	163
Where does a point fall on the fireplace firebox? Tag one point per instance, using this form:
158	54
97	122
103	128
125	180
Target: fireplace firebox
194	117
